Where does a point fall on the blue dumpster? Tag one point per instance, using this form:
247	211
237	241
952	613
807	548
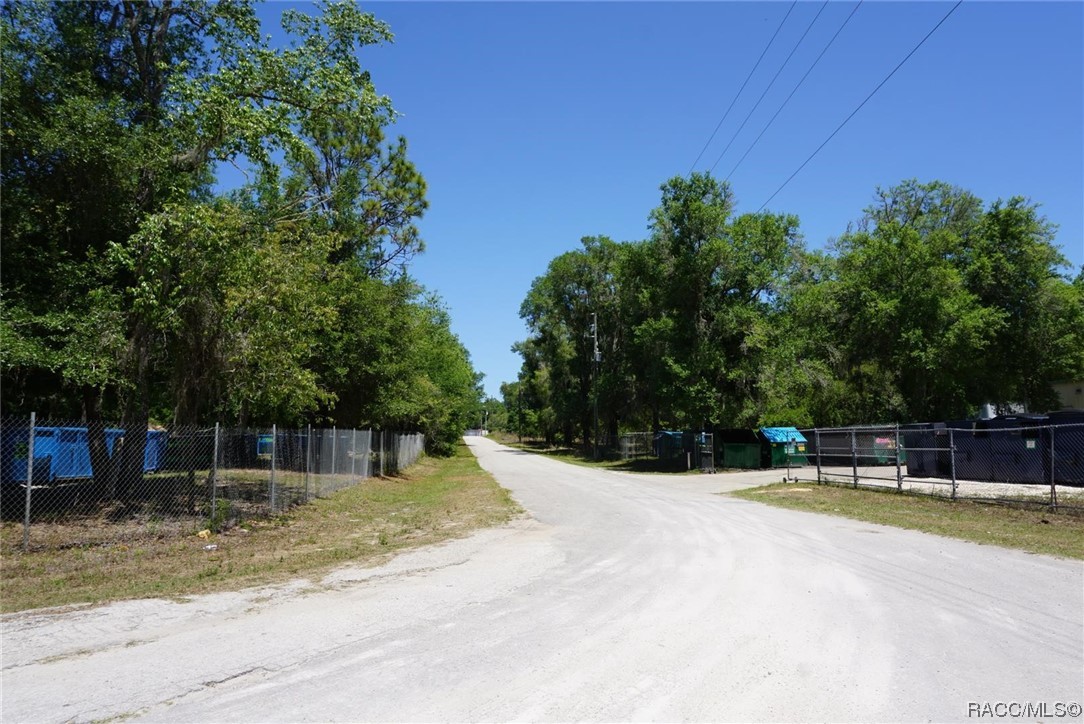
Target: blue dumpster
155	453
264	445
922	441
1017	450
974	459
15	448
668	445
60	453
1066	438
63	453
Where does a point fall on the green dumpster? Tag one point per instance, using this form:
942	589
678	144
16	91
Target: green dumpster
740	448
742	455
884	449
787	445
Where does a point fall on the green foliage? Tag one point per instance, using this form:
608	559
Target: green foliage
944	306
130	290
496	415
682	317
559	308
930	306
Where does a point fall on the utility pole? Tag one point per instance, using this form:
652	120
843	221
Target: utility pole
596	357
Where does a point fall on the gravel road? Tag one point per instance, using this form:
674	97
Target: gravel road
620	597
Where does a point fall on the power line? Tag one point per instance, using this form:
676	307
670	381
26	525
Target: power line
754	70
872	93
794	90
769	87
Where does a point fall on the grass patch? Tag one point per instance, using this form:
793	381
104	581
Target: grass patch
1038	531
436	499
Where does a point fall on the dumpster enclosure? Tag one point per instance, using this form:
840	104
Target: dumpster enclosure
768	447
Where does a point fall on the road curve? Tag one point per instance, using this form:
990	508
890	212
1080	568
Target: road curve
621	597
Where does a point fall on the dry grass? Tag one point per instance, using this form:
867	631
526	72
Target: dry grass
435	500
1026	528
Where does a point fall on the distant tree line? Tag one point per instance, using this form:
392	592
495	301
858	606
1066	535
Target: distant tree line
135	291
930	305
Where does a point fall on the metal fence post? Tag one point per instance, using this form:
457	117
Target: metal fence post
334	441
308	460
367	470
854	457
899	472
29	481
817	437
353	456
787	450
952	460
274	440
1053	487
381	453
214	479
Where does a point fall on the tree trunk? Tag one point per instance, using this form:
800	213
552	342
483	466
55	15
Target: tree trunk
132	453
101	464
136	416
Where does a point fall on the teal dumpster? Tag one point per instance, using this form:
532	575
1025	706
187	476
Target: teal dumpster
787	445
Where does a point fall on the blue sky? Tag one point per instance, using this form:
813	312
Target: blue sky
535	124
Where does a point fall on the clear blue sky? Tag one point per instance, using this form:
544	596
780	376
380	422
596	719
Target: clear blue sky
535	124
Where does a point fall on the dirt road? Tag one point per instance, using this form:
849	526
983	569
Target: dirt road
622	597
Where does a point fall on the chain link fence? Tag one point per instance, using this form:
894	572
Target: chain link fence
999	460
687	450
634	445
1029	460
70	485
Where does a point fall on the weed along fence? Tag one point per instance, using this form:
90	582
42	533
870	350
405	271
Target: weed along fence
72	485
1038	460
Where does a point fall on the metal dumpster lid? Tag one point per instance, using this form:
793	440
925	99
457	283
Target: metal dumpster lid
783	434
